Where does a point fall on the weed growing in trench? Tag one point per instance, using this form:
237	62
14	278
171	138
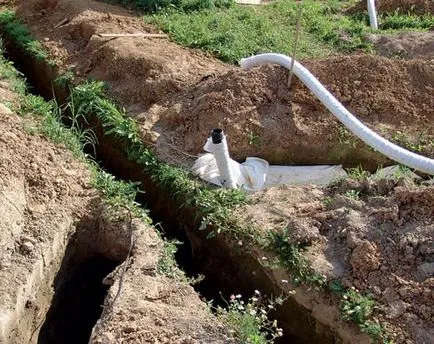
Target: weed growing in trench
352	194
65	79
357	173
249	321
291	258
167	263
214	205
358	308
21	35
8	72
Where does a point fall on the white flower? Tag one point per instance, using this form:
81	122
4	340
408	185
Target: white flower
257	291
238	296
284	281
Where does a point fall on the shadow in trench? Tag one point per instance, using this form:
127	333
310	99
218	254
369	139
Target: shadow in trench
78	299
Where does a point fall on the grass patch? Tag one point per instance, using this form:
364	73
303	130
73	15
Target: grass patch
249	320
233	32
152	6
214	205
21	35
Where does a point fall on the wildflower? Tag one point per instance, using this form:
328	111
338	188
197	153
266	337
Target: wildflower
284	281
257	292
238	296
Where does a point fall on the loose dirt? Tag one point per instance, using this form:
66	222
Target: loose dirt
405	45
47	204
381	243
178	95
402	6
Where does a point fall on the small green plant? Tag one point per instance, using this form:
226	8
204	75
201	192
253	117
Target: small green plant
21	35
346	138
249	321
352	194
66	79
327	201
356	307
254	139
416	144
357	173
290	257
167	264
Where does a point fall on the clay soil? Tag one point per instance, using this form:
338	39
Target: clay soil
178	95
402	6
381	243
45	200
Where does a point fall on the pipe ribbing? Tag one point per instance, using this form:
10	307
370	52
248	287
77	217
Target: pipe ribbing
372	14
371	138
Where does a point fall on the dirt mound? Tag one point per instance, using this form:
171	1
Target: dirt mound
52	221
178	95
380	242
403	6
138	70
406	45
262	117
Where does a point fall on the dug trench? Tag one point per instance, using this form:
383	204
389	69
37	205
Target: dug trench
79	289
226	267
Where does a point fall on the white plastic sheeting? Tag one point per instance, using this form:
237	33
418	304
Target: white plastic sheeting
256	174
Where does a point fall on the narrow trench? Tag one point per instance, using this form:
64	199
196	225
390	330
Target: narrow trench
79	291
76	306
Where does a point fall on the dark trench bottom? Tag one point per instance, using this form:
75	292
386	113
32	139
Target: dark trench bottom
77	302
79	292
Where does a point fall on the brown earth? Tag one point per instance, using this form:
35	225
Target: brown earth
381	243
178	95
50	214
405	45
403	6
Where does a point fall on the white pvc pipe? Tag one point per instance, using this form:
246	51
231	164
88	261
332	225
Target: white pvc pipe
372	14
374	140
222	158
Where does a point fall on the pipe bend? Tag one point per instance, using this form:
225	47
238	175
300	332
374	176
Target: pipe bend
389	149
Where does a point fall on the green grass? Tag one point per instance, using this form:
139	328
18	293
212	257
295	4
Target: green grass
21	35
233	32
214	205
151	6
249	320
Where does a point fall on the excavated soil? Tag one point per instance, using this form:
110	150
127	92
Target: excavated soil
405	45
382	243
53	226
178	95
402	6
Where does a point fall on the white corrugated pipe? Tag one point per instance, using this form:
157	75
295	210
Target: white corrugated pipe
372	14
374	140
222	158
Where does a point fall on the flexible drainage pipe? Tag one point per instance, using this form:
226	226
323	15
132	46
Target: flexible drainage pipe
372	14
374	140
222	158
